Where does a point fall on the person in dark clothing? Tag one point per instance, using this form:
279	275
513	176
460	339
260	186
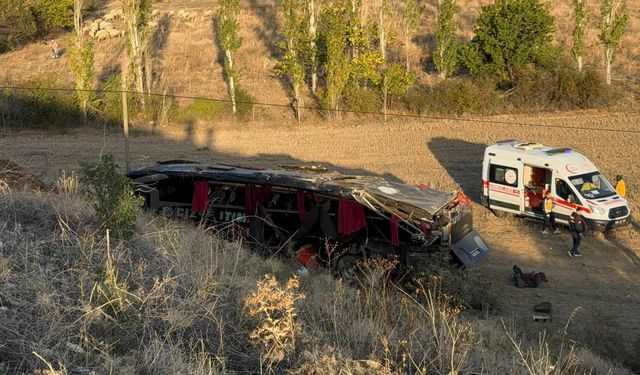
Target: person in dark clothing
577	225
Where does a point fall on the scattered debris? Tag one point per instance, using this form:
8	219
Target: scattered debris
528	280
542	312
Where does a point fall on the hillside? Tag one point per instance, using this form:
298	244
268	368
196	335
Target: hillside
188	58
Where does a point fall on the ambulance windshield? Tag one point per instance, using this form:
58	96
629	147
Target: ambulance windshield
592	185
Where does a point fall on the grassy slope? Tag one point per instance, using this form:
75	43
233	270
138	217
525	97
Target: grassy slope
174	299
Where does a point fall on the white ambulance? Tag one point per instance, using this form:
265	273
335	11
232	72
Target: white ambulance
515	176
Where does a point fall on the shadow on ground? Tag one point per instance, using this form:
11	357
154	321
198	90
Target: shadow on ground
463	162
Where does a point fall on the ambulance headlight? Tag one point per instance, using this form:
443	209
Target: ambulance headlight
597	210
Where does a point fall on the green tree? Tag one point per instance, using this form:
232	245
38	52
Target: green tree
612	24
312	35
52	14
293	46
510	34
445	55
396	79
580	18
136	18
334	26
230	42
349	52
17	25
80	59
410	21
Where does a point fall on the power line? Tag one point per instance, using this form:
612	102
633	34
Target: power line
279	105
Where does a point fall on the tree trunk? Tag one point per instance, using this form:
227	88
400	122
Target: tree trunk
384	99
607	62
579	61
312	37
406	50
125	115
148	70
298	102
383	42
232	88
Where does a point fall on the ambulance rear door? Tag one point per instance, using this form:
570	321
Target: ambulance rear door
505	185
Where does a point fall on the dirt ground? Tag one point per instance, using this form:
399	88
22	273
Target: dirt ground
602	288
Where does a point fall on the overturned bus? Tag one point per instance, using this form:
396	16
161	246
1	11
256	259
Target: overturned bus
332	218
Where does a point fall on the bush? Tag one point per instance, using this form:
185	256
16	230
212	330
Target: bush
38	106
109	101
454	96
17	26
52	14
198	109
561	87
244	102
111	196
22	21
362	99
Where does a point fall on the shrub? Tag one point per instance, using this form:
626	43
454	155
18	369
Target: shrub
454	96
362	99
17	26
573	89
198	109
275	316
22	21
560	87
111	196
109	101
38	106
244	102
52	14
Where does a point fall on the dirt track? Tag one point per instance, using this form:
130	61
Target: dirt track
445	154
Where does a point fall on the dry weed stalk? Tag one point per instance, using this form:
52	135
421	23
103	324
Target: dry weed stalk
541	360
451	339
68	185
277	324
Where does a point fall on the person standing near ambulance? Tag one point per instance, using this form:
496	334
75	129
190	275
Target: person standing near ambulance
549	216
577	225
621	188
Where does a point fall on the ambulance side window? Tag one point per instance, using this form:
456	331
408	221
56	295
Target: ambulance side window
503	175
562	189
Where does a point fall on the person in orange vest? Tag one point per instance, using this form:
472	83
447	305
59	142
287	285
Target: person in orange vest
549	215
621	188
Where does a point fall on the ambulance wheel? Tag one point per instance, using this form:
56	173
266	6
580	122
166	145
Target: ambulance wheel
499	213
